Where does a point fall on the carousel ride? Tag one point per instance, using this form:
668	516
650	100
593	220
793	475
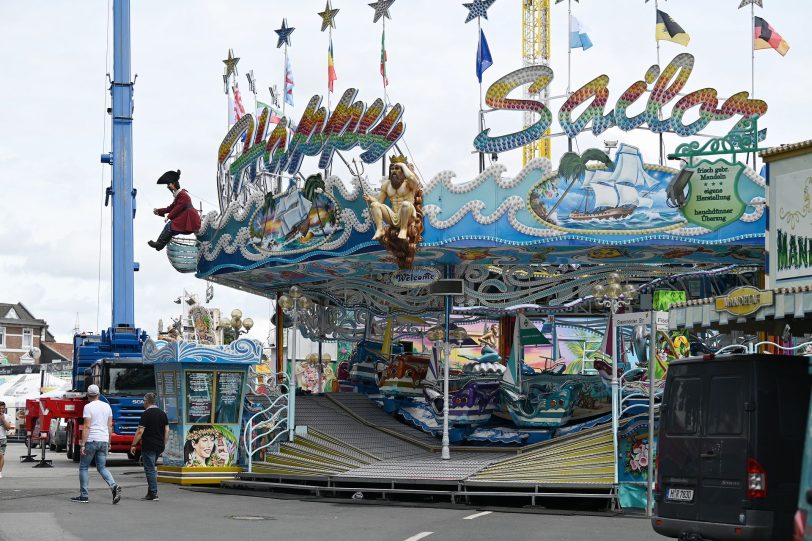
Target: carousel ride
409	269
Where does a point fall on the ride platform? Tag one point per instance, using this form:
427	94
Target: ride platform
346	443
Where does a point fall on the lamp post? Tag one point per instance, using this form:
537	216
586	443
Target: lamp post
293	304
614	296
238	325
438	336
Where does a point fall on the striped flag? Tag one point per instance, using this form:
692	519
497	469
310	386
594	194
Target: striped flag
383	59
276	114
578	35
331	69
239	110
767	38
288	84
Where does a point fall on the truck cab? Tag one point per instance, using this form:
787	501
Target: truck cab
123	384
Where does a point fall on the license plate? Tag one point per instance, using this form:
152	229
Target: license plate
680	494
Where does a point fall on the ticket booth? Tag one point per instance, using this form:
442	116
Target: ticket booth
202	390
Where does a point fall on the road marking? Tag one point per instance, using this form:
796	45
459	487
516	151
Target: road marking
477	515
421	535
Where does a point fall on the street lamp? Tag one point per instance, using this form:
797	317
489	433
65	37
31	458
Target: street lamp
437	335
293	303
614	296
238	325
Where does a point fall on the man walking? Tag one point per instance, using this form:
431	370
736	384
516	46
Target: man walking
6	426
96	436
153	433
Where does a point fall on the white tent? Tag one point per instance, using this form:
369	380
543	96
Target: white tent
16	389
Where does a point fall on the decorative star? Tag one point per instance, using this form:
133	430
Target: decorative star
231	64
381	8
478	8
251	81
328	17
284	34
748	2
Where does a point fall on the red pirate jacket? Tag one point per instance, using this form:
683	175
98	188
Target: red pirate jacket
184	216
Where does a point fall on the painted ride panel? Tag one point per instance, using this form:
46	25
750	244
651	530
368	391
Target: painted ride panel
403	376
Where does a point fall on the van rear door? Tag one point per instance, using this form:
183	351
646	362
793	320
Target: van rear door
680	441
724	445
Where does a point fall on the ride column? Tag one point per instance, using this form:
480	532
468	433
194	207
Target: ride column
120	157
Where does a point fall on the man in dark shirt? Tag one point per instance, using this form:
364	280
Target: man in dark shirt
153	433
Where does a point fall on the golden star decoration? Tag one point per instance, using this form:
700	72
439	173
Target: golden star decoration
231	63
328	17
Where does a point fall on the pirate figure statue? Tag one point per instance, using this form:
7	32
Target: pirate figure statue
399	227
182	218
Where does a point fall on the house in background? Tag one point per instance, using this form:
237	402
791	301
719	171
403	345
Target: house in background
21	332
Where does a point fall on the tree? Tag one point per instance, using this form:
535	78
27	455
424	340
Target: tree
572	167
313	184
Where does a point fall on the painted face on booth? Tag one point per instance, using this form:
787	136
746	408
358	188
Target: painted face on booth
204	446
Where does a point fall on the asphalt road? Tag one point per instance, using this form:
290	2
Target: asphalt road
34	504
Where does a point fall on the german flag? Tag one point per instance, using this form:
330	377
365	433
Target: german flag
766	37
669	30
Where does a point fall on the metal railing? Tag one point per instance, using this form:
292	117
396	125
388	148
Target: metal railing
270	423
751	348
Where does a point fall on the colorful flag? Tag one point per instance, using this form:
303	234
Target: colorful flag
767	38
239	110
483	56
578	35
667	29
231	108
383	59
288	84
331	69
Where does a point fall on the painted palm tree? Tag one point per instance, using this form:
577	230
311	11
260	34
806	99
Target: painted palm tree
572	168
313	184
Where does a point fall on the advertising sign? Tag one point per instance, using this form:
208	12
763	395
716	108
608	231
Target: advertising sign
743	301
713	200
790	239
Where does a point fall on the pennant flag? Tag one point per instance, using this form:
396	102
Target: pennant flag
239	110
767	38
529	333
668	30
578	35
384	58
288	84
483	56
331	69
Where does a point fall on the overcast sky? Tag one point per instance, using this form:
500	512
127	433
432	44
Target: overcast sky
52	108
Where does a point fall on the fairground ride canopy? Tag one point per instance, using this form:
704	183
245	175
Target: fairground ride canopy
521	240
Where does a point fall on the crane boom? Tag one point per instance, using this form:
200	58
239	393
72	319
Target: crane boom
536	52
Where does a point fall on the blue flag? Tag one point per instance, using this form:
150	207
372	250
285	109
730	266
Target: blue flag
578	35
483	56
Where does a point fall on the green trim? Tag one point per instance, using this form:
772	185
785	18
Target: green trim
742	139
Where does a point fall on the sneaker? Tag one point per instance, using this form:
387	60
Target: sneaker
80	499
150	497
1	475
116	490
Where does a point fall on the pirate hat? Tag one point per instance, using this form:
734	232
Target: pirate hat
169	176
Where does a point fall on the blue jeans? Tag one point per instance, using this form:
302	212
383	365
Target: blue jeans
96	449
150	458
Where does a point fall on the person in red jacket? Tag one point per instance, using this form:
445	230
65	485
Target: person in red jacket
183	217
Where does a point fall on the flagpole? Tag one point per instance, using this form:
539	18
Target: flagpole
285	81
659	111
383	81
330	45
752	52
569	60
481	115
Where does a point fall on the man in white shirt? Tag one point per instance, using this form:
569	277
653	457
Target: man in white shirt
6	426
96	435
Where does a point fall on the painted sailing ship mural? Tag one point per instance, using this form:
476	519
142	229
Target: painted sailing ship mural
622	195
295	219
